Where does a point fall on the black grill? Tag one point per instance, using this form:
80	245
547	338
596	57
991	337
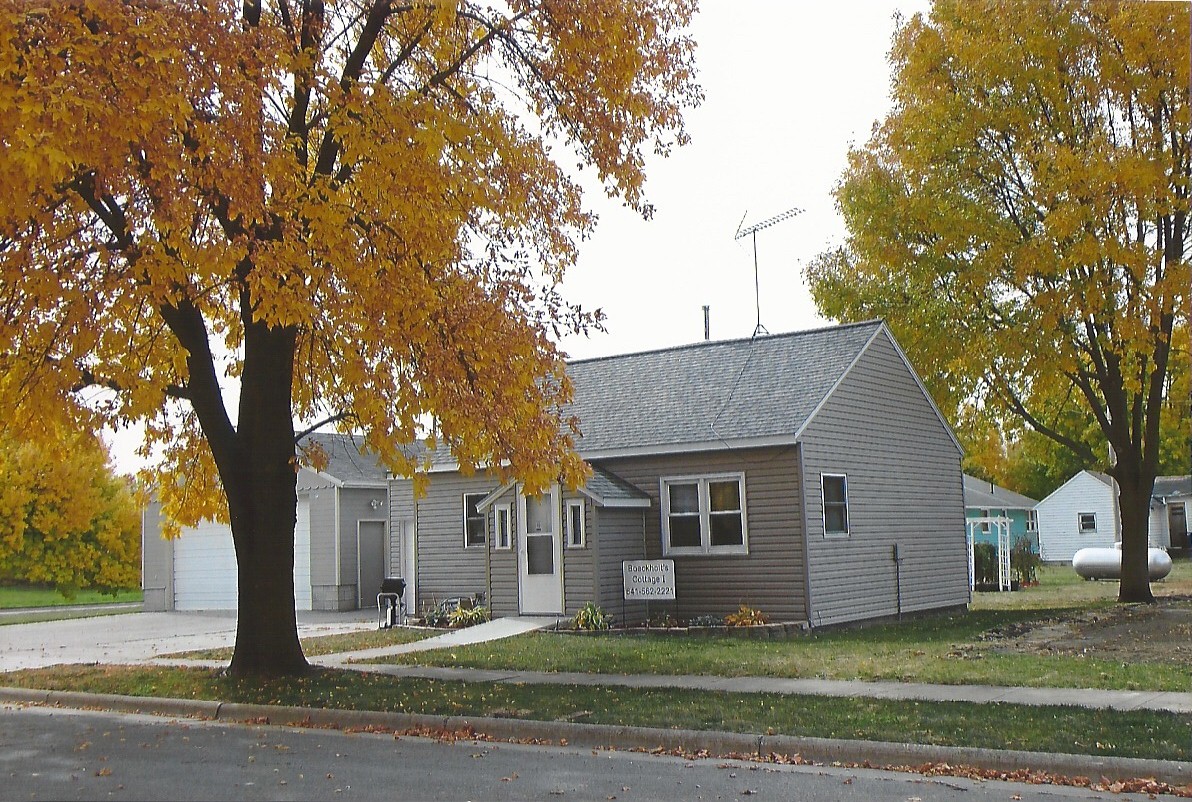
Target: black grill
393	584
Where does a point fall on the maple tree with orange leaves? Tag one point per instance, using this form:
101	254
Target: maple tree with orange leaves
347	212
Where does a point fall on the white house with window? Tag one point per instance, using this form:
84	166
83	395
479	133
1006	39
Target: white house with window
1083	512
808	475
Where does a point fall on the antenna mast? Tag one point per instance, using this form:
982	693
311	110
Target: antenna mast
752	230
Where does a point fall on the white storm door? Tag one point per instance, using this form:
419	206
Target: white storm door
540	554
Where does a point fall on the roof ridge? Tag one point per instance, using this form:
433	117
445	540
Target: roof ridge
735	341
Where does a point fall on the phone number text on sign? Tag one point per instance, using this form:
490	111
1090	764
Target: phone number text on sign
649	579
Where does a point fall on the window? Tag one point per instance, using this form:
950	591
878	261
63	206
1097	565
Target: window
573	523
1088	522
834	488
474	531
503	526
985	524
704	515
1032	521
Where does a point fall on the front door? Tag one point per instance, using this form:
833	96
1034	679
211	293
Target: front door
540	554
1177	522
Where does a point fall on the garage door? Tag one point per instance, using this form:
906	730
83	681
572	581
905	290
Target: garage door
205	566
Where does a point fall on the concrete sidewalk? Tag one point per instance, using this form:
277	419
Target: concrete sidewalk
496	629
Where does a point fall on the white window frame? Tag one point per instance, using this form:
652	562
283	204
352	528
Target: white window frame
984	514
503	534
464	515
848	519
1032	520
1081	528
574	539
702	482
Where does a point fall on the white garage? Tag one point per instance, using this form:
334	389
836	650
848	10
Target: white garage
204	565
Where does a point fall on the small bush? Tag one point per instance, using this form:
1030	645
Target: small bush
707	621
591	617
746	617
985	563
462	617
663	621
1024	562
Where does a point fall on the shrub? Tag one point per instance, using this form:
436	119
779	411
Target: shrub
592	617
707	621
1024	562
462	617
746	617
663	621
985	563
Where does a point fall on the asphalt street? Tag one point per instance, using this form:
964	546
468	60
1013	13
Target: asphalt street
51	753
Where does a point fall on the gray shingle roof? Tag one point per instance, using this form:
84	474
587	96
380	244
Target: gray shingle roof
345	462
713	392
983	495
1172	486
609	490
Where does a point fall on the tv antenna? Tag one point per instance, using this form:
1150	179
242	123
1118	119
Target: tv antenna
752	230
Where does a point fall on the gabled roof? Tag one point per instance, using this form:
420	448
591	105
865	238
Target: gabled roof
346	465
1166	486
725	394
605	488
985	495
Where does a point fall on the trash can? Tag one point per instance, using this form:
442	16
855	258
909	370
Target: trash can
391	609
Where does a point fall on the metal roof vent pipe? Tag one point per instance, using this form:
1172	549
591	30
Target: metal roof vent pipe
707	323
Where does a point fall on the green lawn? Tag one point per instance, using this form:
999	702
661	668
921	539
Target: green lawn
998	726
16	596
937	649
330	644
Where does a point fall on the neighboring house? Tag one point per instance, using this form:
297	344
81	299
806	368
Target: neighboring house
1170	501
986	500
340	544
808	475
1083	512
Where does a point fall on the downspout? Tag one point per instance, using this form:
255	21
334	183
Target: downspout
806	535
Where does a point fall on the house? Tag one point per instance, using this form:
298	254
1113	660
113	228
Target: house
984	499
340	542
1169	511
808	475
1083	512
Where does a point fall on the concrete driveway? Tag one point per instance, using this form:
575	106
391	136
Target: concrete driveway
137	637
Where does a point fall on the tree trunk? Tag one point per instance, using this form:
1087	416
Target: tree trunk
262	503
1134	508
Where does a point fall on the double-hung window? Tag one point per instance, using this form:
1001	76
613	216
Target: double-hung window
835	497
1088	522
704	515
474	524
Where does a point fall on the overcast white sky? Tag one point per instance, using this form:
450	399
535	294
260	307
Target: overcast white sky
789	85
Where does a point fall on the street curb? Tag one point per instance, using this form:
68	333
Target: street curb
606	736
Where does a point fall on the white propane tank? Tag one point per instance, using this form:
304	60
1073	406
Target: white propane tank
1102	563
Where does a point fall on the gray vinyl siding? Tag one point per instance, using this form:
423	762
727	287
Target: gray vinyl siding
326	590
904	485
579	565
403	524
621	537
445	568
770	576
502	593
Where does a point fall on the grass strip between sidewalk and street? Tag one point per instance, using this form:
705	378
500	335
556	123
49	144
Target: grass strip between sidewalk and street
1142	734
18	596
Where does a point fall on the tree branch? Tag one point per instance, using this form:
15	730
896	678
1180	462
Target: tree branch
336	418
